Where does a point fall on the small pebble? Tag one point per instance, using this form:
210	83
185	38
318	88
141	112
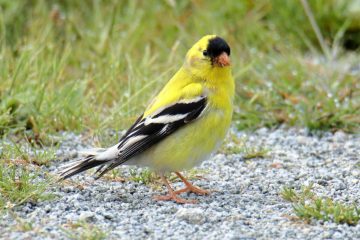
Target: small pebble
245	200
191	215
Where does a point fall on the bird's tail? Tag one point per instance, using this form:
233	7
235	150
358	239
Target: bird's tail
90	160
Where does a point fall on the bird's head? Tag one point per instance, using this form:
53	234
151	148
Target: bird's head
209	53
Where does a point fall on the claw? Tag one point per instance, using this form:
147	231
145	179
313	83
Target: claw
189	187
172	195
192	189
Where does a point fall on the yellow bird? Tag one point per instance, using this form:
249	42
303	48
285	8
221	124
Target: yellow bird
182	126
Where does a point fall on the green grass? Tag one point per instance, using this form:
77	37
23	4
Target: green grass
19	185
145	176
27	152
20	180
83	230
90	66
308	206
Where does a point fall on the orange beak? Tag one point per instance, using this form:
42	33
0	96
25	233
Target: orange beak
222	60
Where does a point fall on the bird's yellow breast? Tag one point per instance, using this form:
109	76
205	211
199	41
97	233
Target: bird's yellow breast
194	142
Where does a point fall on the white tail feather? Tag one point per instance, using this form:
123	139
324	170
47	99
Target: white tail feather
92	151
69	165
91	158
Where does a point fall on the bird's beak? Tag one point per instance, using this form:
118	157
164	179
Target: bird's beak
222	60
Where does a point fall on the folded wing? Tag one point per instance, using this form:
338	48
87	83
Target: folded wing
152	129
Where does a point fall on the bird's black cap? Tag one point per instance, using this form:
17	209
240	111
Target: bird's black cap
217	46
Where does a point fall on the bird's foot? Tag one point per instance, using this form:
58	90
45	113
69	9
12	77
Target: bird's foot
192	189
173	197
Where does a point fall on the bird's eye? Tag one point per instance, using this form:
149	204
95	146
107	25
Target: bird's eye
205	53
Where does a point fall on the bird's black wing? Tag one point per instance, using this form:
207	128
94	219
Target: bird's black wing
150	130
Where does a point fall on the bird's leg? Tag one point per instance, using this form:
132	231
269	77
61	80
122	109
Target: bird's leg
189	187
172	195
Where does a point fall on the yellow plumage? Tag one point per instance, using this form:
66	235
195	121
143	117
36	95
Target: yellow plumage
184	123
194	142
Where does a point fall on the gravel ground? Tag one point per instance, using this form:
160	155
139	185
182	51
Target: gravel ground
245	204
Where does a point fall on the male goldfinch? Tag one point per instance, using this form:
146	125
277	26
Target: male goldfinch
182	126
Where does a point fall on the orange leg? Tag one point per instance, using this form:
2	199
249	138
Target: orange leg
172	195
189	187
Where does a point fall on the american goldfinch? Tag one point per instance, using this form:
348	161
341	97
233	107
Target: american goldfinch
183	124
